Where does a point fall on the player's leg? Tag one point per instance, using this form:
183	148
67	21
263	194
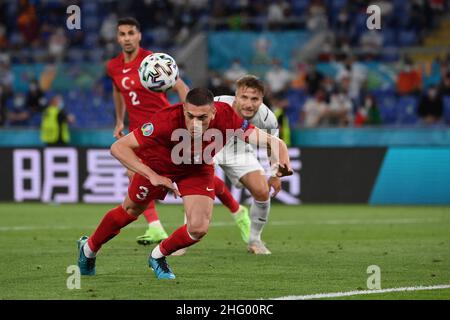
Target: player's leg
256	183
155	232
238	212
198	198
140	192
198	210
225	195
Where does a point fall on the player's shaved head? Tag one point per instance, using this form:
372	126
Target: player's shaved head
199	110
200	97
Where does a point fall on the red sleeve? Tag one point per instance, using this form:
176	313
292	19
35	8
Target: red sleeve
229	118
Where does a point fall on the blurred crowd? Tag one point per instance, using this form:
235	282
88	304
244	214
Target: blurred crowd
311	98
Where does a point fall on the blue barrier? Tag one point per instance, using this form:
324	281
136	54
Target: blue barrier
413	176
326	137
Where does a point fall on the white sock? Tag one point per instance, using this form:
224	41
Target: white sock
156	223
88	252
156	253
234	213
259	214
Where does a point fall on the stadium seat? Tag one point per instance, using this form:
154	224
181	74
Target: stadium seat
407	38
446	113
299	7
407	110
296	100
389	37
387	103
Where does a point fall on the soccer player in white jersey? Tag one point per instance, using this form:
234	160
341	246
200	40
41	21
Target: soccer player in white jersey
239	161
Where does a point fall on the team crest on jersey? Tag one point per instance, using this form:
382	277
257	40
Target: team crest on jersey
147	129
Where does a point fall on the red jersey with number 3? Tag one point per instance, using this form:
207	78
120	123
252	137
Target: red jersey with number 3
141	103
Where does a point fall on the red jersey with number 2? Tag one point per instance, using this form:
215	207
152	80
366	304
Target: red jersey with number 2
141	103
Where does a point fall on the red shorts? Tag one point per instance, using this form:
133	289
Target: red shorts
199	181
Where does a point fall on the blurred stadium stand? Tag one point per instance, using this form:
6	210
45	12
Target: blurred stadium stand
319	33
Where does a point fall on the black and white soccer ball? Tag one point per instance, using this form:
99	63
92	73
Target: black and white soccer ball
158	72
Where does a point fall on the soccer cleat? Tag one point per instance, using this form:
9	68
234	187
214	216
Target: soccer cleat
258	248
86	265
152	235
161	268
243	222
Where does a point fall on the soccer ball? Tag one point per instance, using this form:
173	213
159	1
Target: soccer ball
158	72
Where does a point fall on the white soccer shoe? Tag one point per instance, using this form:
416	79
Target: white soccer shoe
258	248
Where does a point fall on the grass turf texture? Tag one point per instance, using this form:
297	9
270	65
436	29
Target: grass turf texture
316	249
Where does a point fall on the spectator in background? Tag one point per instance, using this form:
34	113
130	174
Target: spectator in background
108	29
218	85
55	123
276	13
315	110
57	45
299	79
316	19
278	79
368	113
27	21
444	87
18	113
235	72
431	107
36	100
313	79
3	38
357	75
340	111
6	75
409	79
371	43
3	99
283	121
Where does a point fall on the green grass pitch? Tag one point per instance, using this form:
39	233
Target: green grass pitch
316	249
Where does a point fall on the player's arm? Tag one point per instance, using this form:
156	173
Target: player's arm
123	150
181	89
274	181
119	106
279	155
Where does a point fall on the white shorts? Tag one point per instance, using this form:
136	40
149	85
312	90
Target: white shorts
237	165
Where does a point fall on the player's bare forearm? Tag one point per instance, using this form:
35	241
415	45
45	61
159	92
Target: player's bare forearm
123	150
278	155
181	89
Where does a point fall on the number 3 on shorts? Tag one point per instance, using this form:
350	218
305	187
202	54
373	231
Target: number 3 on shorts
143	194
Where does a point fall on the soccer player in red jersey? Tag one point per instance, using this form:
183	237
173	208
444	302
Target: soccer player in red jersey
168	165
140	103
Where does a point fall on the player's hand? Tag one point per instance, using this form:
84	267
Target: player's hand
275	183
284	170
118	131
160	181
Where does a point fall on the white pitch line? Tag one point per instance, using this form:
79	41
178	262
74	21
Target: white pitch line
355	293
226	224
